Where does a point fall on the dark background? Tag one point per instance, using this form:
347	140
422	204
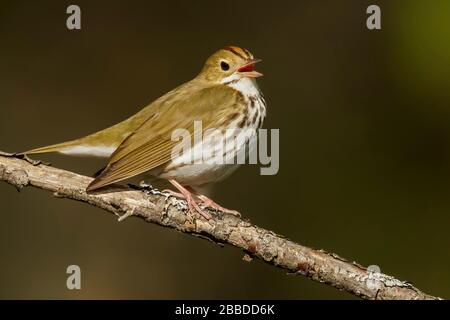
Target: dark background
364	119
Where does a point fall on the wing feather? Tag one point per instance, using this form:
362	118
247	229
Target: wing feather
150	146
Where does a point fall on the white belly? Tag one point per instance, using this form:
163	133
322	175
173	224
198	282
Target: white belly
196	168
205	169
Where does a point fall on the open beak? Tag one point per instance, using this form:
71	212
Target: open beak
247	69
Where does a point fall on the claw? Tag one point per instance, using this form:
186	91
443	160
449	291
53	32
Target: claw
210	203
187	195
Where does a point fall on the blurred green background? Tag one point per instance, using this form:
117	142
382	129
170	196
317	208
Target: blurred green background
364	119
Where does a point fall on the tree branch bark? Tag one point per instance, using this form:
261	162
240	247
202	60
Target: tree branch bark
159	208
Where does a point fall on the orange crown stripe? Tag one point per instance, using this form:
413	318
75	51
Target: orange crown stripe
243	53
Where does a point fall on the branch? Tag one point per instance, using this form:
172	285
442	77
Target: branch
159	208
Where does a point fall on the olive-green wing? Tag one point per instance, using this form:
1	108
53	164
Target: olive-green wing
151	145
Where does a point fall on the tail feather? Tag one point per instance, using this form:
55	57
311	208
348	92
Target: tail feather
101	143
52	148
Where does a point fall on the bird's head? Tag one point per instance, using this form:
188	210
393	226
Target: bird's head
230	64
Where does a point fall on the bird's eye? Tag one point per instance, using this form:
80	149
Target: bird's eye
224	66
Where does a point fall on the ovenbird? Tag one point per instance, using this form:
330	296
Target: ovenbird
224	95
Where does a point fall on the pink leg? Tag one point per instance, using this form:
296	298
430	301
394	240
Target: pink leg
210	203
173	193
193	206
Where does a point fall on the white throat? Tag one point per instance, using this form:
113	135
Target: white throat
245	85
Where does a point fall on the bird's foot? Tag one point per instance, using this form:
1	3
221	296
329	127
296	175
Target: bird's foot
210	203
188	196
194	207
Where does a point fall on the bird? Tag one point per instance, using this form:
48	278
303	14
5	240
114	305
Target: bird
224	96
